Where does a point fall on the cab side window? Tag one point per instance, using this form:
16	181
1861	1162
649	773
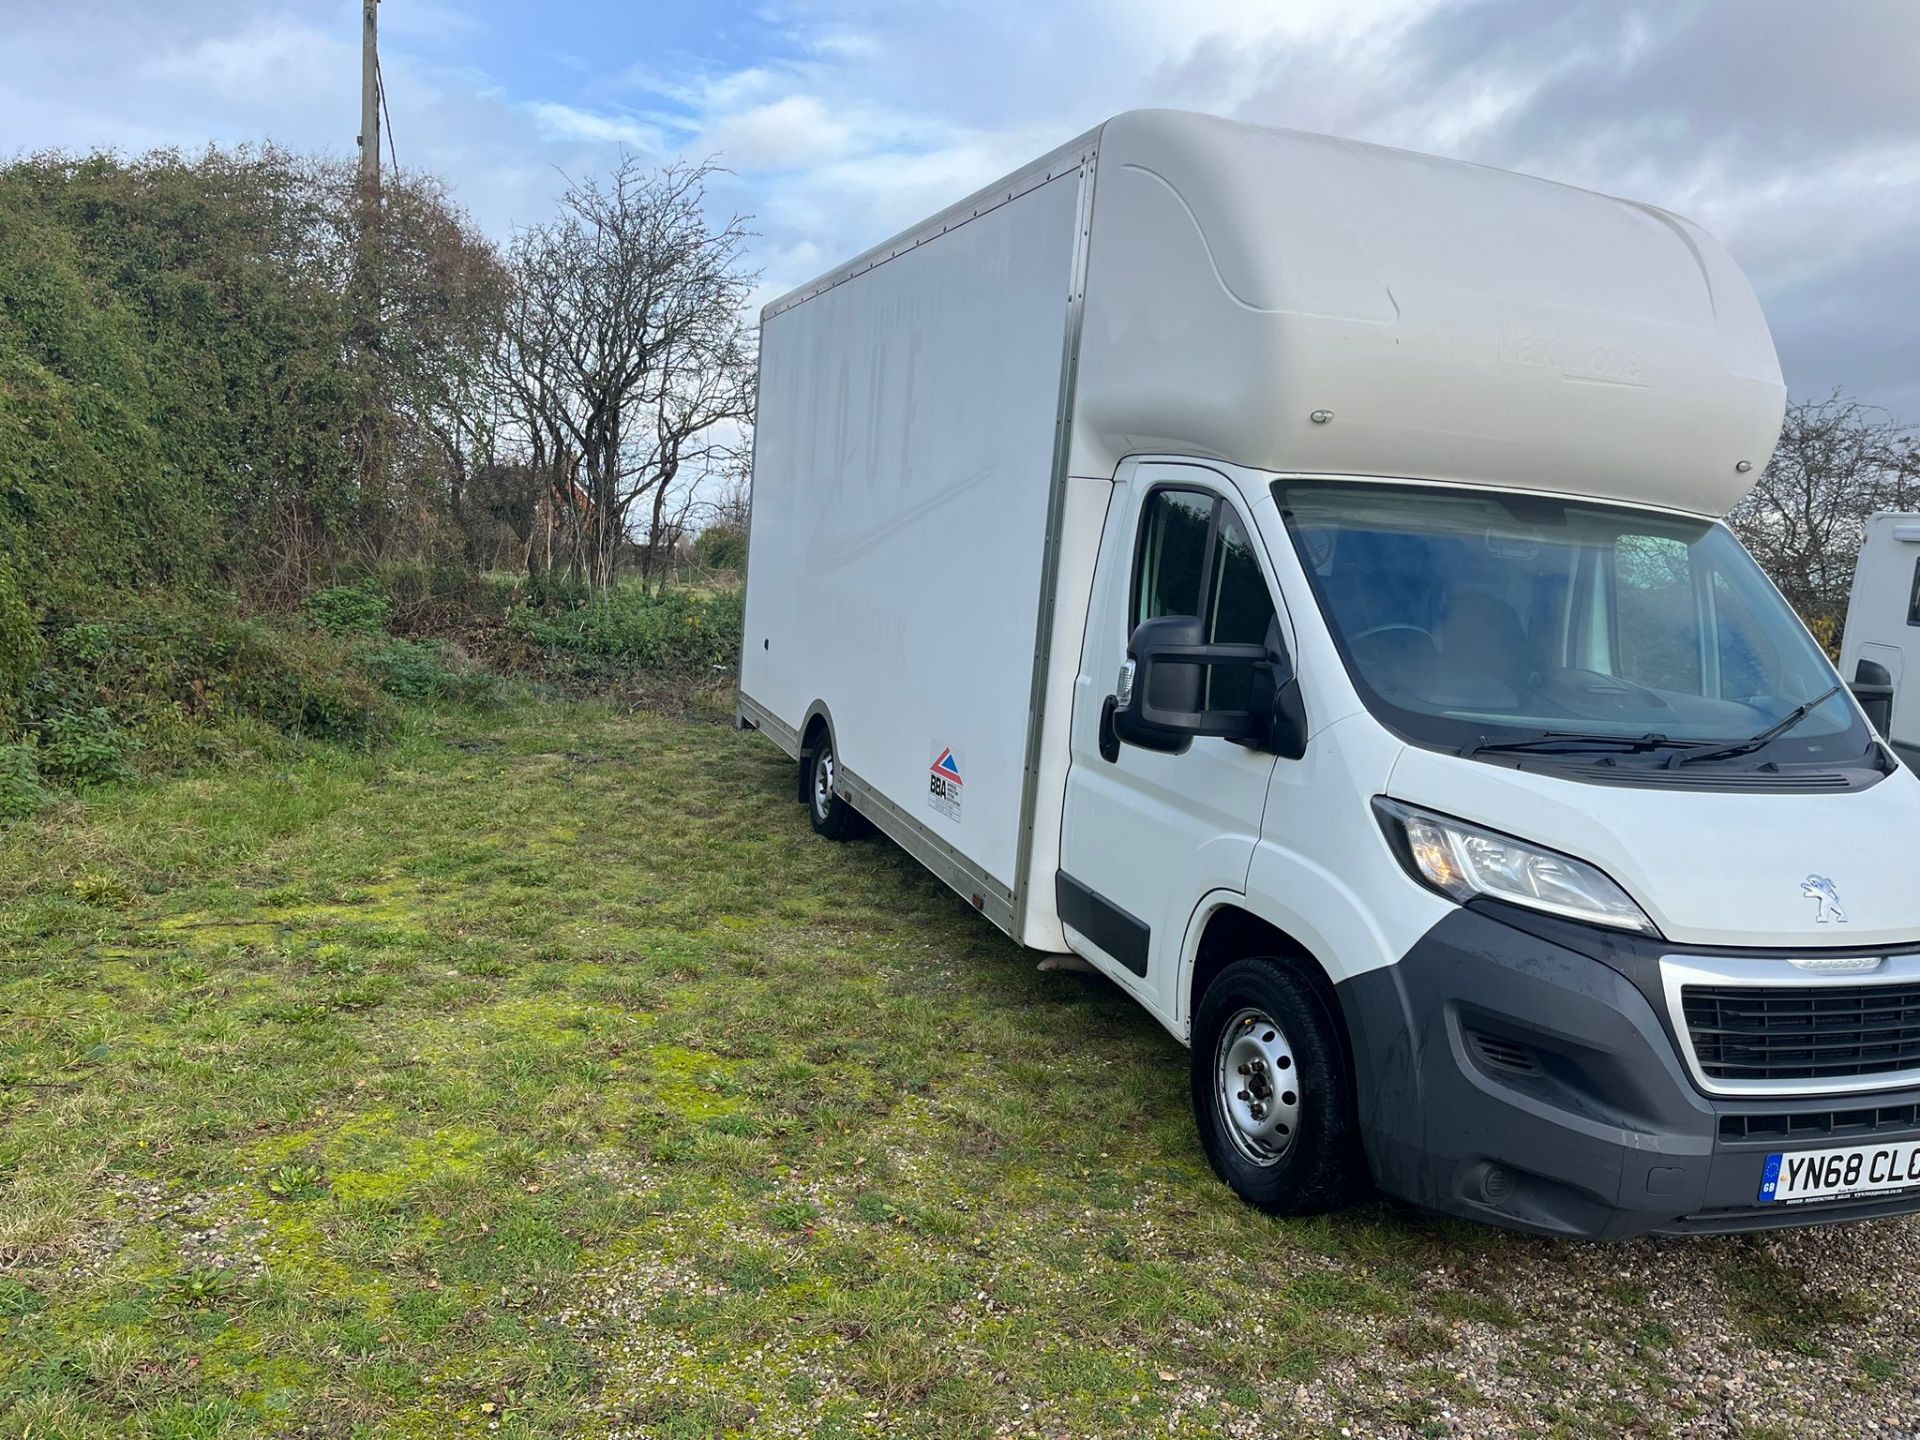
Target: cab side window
1174	533
1913	599
1197	559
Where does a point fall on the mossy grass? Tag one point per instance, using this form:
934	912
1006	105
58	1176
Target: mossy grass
542	1074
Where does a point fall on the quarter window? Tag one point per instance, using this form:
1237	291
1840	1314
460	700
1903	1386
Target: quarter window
1240	612
1913	600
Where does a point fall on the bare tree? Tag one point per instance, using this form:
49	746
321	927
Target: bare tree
1837	463
444	293
735	502
630	330
525	378
721	544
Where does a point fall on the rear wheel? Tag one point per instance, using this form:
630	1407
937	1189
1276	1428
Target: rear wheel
1273	1091
832	816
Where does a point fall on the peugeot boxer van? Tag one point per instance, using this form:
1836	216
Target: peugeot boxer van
1288	574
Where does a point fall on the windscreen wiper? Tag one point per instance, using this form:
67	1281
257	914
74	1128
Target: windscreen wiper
1773	732
1571	742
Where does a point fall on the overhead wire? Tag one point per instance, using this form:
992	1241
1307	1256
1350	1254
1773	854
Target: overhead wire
386	115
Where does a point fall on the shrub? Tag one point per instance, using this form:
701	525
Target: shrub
423	671
722	546
21	792
631	629
85	748
557	590
424	596
155	668
350	610
20	646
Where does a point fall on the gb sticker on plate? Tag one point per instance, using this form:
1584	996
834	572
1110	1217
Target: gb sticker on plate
946	780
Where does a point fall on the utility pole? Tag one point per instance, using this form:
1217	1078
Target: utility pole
367	284
370	107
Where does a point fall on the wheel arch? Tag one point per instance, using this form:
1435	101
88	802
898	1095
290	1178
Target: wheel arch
1225	929
817	721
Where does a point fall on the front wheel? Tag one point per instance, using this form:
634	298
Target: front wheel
1273	1091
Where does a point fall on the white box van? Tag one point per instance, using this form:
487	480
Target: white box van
1883	623
1286	573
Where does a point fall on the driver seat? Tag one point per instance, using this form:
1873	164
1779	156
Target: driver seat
1484	635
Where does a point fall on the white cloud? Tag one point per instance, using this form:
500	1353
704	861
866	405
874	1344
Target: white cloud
791	133
844	42
1178	31
1788	129
569	122
271	58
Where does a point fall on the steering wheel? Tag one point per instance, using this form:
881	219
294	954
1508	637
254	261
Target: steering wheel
1390	629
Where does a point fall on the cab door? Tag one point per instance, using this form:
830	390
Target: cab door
1145	833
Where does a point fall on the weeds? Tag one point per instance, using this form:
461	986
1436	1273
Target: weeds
21	793
295	1180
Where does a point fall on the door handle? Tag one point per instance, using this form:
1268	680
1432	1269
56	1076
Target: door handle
1109	737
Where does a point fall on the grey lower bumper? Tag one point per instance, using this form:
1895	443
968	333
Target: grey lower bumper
1513	1079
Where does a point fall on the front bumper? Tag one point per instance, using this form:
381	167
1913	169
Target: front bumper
1515	1070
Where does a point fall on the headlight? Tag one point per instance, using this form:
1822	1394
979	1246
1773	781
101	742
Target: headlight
1462	861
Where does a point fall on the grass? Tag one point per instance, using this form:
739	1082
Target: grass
543	1075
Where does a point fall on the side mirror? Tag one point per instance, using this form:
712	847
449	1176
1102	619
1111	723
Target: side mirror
1873	688
1162	705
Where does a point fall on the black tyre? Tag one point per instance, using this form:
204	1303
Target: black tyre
832	816
1273	1091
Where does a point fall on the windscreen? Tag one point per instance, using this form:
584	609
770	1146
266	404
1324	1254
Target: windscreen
1471	618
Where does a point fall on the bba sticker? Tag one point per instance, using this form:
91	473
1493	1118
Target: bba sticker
945	780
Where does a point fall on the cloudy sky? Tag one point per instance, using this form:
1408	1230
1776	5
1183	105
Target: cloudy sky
1789	128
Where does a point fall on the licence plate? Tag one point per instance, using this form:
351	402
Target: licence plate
1798	1175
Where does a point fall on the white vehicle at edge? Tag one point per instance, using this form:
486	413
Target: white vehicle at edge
1883	623
1286	573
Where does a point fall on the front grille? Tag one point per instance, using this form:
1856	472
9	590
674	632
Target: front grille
1819	1124
1804	1032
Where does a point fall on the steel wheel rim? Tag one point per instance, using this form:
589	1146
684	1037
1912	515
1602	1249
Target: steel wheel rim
1258	1086
822	783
